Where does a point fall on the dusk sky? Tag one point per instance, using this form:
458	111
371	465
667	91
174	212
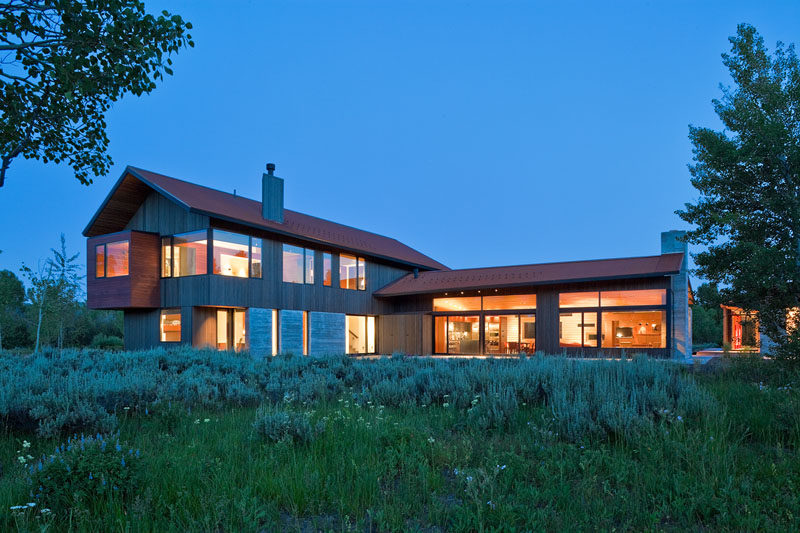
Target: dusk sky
480	133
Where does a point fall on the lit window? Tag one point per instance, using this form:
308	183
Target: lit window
255	257
469	303
457	334
360	331
511	301
576	330
629	298
170	325
362	274
298	264
166	257
111	259
327	269
634	329
508	334
348	271
190	253
231	254
579	299
100	260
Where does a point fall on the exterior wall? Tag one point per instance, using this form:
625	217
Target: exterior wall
141	329
204	327
327	334
259	332
681	329
140	288
290	338
163	216
410	334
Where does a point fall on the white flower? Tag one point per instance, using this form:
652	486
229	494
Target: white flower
445	404
21	459
431	440
45	510
31	504
197	421
26	444
469	478
207	420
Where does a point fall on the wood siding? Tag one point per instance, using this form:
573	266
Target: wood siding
163	216
140	288
141	329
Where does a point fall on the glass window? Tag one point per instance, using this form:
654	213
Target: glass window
274	333
463	335
360	334
501	334
292	264
579	299
166	257
577	330
511	301
310	266
639	297
327	269
190	253
362	274
348	266
100	261
634	329
170	325
305	332
231	254
527	333
117	259
468	303
255	257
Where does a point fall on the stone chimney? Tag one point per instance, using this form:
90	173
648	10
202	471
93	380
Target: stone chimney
681	319
271	195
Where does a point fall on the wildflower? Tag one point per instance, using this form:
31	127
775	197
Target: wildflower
127	408
90	476
21	459
455	471
469	479
45	511
680	418
118	447
26	444
31	504
490	504
206	420
445	404
17	507
197	421
581	447
431	440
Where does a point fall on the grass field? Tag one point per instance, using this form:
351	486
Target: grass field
366	466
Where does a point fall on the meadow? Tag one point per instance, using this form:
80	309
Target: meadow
207	441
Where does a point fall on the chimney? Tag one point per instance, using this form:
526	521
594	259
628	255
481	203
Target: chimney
271	195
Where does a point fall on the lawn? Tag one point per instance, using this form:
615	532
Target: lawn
523	444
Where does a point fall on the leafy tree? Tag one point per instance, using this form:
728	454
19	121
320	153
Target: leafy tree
12	298
41	281
748	176
707	315
62	64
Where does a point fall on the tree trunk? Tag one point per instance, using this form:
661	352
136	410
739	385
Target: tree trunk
61	338
39	325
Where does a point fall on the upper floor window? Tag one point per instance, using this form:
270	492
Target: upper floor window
298	264
327	269
111	259
184	254
352	272
236	254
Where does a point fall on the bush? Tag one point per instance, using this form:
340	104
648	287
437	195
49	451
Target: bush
84	470
495	410
279	425
102	341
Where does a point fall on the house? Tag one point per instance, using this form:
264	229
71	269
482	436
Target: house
193	265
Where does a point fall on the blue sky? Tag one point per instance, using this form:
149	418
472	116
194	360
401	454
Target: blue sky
481	133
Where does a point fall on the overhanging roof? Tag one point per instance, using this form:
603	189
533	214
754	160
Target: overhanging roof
525	275
135	184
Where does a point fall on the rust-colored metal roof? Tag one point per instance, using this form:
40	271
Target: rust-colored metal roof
126	197
523	275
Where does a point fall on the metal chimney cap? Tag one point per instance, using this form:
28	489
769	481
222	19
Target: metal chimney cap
270	168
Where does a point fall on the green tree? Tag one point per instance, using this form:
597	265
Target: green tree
748	176
65	287
707	315
63	63
39	293
13	332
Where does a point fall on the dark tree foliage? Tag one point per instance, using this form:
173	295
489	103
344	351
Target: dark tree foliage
748	175
707	316
13	330
62	64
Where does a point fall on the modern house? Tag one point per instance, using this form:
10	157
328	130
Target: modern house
193	265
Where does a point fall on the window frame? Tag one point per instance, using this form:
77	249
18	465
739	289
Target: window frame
209	254
327	259
367	319
170	311
304	255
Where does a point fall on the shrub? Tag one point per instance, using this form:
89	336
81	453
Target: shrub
279	425
83	470
495	410
107	342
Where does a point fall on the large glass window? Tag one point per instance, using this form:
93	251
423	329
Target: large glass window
231	329
576	330
170	325
190	253
457	334
579	299
327	269
634	329
348	271
231	254
111	259
509	334
360	331
631	298
298	264
511	301
468	303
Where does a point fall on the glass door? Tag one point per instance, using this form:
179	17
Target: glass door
231	334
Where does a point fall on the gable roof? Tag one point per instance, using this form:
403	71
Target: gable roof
135	184
524	275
